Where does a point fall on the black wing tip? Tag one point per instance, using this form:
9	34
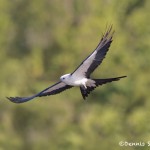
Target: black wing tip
15	99
108	34
109	31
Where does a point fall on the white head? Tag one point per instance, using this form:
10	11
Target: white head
64	77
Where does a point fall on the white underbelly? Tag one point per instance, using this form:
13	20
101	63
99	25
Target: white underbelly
80	82
76	82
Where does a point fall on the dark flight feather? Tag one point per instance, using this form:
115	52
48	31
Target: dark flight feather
86	91
54	89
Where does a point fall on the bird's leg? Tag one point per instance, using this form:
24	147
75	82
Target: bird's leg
85	85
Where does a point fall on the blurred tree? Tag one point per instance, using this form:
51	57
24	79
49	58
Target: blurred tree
41	40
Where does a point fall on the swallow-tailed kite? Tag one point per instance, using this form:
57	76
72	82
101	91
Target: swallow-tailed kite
81	76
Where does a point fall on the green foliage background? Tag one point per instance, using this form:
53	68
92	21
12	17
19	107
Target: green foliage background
41	40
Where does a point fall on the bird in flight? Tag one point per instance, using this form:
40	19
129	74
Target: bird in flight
81	75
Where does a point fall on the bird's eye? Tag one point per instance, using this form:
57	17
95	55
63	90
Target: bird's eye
63	78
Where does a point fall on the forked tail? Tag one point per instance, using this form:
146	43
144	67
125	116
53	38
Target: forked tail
86	91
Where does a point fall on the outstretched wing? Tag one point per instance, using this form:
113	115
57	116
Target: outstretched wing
54	89
96	57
